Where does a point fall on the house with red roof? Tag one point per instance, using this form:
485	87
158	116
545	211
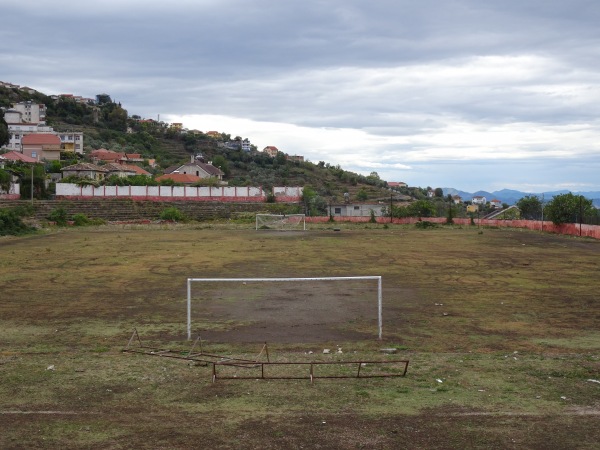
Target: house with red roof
41	146
105	155
85	170
182	178
495	203
125	170
16	156
271	150
197	168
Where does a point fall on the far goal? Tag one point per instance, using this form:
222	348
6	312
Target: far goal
280	222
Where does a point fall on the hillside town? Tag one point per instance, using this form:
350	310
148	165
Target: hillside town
91	148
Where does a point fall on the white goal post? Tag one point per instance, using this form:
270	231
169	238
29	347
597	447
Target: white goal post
277	280
281	221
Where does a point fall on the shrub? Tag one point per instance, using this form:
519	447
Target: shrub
173	214
58	216
80	220
11	223
425	224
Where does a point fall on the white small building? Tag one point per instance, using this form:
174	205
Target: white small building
357	209
479	200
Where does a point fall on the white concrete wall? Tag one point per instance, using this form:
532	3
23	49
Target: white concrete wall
73	190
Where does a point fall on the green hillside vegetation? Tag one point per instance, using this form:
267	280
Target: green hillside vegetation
105	124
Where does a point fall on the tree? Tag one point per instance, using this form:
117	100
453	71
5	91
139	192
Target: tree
220	162
362	194
569	208
439	192
530	207
421	208
308	196
4	135
102	99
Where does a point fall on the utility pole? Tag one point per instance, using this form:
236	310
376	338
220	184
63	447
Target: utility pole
580	212
542	211
31	184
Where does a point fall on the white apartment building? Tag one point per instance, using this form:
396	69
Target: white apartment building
31	112
19	127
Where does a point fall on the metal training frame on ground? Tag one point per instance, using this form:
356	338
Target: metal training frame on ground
224	362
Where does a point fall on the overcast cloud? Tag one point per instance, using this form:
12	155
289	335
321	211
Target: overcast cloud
468	94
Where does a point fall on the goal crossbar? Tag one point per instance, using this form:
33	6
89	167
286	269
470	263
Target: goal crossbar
281	221
209	280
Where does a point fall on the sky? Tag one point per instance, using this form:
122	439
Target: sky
465	94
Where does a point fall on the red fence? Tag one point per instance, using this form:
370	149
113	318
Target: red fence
573	229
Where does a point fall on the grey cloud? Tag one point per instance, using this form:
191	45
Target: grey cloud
392	68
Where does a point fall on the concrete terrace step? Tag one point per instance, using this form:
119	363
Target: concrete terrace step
128	210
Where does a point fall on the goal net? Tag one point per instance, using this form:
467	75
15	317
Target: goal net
280	222
315	309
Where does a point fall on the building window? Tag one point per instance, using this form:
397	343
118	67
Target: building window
337	210
356	208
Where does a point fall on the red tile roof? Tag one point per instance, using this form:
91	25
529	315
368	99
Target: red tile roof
84	167
179	178
40	139
137	169
16	156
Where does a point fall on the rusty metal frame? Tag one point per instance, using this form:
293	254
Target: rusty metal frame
311	376
220	360
201	356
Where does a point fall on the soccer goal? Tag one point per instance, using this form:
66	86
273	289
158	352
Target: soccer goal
280	222
285	310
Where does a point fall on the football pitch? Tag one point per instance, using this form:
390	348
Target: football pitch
501	327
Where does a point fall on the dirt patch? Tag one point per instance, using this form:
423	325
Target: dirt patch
290	312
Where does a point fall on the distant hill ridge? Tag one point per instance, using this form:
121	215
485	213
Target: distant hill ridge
511	196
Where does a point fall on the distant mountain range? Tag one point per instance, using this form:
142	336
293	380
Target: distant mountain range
511	197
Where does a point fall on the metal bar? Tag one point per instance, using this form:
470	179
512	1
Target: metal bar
379	308
189	309
366	277
308	377
311	375
330	363
171	354
135	333
195	342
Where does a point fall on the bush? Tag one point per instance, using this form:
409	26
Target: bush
80	220
173	214
425	224
58	216
373	219
11	223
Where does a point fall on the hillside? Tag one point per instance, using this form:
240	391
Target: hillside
106	124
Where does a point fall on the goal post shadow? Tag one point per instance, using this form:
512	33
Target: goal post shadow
276	280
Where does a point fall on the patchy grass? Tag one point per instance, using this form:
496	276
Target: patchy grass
500	329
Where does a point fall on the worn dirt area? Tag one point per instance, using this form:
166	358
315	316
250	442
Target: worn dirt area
288	312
